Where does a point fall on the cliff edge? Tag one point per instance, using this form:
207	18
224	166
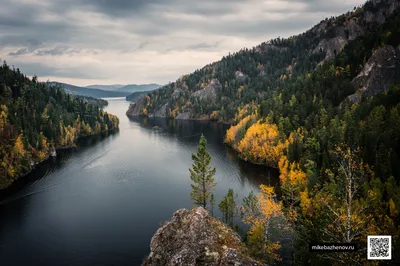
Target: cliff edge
193	237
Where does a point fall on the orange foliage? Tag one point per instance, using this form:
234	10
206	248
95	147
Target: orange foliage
214	115
261	144
19	149
291	173
267	204
246	110
232	134
305	203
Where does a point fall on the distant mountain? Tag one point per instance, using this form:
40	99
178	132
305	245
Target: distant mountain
113	87
84	91
136	88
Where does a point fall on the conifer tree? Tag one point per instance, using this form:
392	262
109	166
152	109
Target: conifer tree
212	203
228	207
202	174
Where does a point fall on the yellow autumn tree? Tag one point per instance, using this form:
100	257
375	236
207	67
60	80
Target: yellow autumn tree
259	212
235	133
261	144
246	110
19	149
3	117
42	154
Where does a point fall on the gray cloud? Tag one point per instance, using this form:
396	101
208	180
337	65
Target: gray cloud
158	40
42	70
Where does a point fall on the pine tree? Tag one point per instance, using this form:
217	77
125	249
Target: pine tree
228	207
212	203
202	174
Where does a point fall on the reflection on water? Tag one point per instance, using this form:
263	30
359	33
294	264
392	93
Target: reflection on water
188	132
100	203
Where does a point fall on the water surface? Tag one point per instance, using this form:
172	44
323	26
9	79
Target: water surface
101	203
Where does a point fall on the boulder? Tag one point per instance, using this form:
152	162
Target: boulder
193	237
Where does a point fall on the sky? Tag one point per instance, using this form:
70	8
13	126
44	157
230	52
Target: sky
85	42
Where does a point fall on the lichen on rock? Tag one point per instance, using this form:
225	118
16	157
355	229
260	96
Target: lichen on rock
193	237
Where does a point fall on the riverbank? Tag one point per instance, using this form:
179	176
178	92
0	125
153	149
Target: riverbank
52	152
239	154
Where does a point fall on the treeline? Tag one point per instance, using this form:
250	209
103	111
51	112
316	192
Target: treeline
36	118
94	101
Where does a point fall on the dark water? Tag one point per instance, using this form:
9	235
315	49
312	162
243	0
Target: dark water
101	203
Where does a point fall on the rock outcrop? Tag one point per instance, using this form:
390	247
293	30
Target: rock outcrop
331	47
378	73
354	30
135	108
209	93
192	237
162	112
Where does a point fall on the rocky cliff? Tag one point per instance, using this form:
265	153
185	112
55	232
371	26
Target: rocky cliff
378	73
193	237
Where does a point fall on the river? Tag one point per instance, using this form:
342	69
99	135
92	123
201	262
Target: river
100	203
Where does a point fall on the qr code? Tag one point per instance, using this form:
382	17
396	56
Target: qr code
379	247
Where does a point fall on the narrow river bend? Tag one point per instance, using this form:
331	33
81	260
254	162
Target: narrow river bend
101	203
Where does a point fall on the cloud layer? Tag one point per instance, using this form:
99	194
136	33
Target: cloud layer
144	41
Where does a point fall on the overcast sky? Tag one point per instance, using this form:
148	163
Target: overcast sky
86	42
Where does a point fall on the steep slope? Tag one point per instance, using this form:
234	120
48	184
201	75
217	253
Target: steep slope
84	91
253	74
36	119
192	237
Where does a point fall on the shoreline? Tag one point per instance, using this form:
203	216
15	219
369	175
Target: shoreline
180	119
49	156
209	120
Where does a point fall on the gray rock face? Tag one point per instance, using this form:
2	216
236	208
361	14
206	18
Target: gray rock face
134	109
183	116
340	31
209	93
162	112
331	47
378	73
379	17
354	30
192	237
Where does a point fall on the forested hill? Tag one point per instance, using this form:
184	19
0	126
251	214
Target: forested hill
342	44
324	108
89	92
36	118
